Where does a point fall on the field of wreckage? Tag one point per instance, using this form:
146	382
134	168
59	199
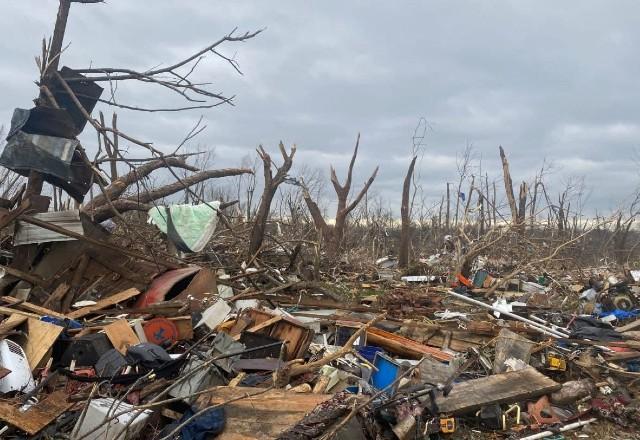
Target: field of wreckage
225	304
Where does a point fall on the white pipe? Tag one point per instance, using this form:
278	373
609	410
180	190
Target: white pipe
568	427
553	326
541	328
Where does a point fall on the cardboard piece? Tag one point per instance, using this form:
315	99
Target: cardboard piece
121	335
40	339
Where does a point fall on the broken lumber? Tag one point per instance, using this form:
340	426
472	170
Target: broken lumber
32	307
41	337
121	335
263	416
104	303
38	416
403	346
510	387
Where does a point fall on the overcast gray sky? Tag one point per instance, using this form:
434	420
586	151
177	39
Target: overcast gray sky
545	79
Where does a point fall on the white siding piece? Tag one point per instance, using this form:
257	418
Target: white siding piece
26	233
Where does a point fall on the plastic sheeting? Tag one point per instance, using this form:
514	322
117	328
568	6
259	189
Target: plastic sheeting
30	147
189	227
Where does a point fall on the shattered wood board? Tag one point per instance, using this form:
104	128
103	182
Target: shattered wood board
184	326
11	323
32	307
121	335
294	333
38	416
41	337
263	416
104	303
508	387
403	346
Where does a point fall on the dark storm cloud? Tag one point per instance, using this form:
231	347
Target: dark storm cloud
544	79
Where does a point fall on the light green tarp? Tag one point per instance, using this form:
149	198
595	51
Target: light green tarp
193	224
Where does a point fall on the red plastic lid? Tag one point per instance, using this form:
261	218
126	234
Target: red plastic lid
160	330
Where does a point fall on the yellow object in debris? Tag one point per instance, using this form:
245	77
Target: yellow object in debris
556	363
447	425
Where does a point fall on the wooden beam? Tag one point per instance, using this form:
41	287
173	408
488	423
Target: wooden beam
32	307
31	279
104	303
514	386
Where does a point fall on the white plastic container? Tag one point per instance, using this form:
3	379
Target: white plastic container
12	357
101	409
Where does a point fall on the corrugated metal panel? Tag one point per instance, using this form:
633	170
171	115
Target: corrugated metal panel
26	233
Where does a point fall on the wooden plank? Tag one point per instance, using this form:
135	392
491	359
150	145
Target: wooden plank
403	346
104	303
30	278
12	322
38	416
40	338
265	324
510	387
9	311
121	335
264	416
57	294
32	307
15	213
184	325
631	326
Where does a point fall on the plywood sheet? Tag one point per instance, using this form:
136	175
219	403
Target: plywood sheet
501	388
38	416
263	416
40	338
121	335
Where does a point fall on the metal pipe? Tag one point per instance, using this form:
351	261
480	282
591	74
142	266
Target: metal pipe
568	427
553	326
541	328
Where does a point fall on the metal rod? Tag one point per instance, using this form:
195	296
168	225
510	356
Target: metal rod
568	427
541	328
553	326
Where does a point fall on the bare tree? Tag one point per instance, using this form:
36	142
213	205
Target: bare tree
271	184
333	235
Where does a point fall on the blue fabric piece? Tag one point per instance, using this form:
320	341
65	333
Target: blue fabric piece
66	323
207	424
621	314
633	366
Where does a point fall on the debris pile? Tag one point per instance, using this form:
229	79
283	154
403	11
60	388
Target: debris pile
128	316
256	352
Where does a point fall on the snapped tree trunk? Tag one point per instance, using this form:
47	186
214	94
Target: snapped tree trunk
522	205
405	214
271	184
508	186
448	215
